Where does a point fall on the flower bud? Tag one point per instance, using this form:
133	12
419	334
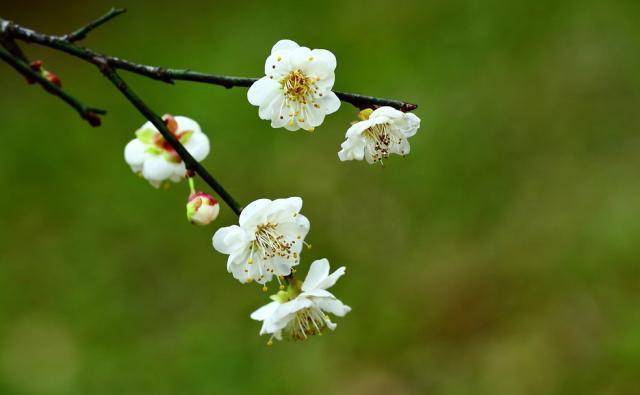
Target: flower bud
202	209
53	78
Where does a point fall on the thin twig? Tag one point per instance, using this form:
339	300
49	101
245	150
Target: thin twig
87	113
83	31
190	162
170	75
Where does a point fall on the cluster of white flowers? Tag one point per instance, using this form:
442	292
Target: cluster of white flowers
295	93
267	243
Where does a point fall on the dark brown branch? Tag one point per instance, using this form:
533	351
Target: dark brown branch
87	113
170	75
83	31
190	162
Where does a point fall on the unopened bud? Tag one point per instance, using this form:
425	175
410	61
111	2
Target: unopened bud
202	209
53	78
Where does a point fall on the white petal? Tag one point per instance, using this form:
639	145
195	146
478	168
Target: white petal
265	311
179	171
284	45
187	124
157	168
386	111
263	91
326	57
318	272
413	123
329	103
252	214
134	152
331	279
333	306
229	239
287	206
198	146
352	149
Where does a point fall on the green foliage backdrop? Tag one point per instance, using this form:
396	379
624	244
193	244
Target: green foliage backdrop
499	257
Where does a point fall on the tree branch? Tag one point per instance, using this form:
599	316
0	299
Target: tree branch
190	162
83	31
169	75
87	113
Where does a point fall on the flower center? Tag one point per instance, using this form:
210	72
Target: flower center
380	142
307	322
297	86
270	243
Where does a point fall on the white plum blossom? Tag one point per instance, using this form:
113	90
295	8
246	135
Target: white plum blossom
202	209
296	89
267	241
152	157
380	133
299	311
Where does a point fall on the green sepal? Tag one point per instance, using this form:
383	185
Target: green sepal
145	135
153	150
185	137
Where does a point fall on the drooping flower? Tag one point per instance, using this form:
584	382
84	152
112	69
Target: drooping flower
202	209
267	241
151	156
296	89
380	133
300	311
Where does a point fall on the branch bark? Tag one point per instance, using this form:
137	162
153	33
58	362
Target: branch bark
88	113
170	75
83	31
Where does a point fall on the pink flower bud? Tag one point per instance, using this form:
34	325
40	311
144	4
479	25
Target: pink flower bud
202	209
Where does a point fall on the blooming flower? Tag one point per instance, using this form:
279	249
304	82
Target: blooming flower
267	241
202	209
151	156
380	133
299	312
296	90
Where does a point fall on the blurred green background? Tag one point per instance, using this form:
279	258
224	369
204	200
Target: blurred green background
499	257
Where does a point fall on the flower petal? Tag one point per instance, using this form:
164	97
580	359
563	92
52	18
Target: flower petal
333	306
318	272
329	103
157	169
229	239
263	91
187	124
198	146
252	210
134	153
265	311
284	45
331	279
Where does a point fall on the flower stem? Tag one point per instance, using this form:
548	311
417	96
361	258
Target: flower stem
192	187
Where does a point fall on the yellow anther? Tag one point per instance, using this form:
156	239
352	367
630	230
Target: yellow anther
270	342
249	280
281	286
250	261
291	122
310	58
279	58
264	288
